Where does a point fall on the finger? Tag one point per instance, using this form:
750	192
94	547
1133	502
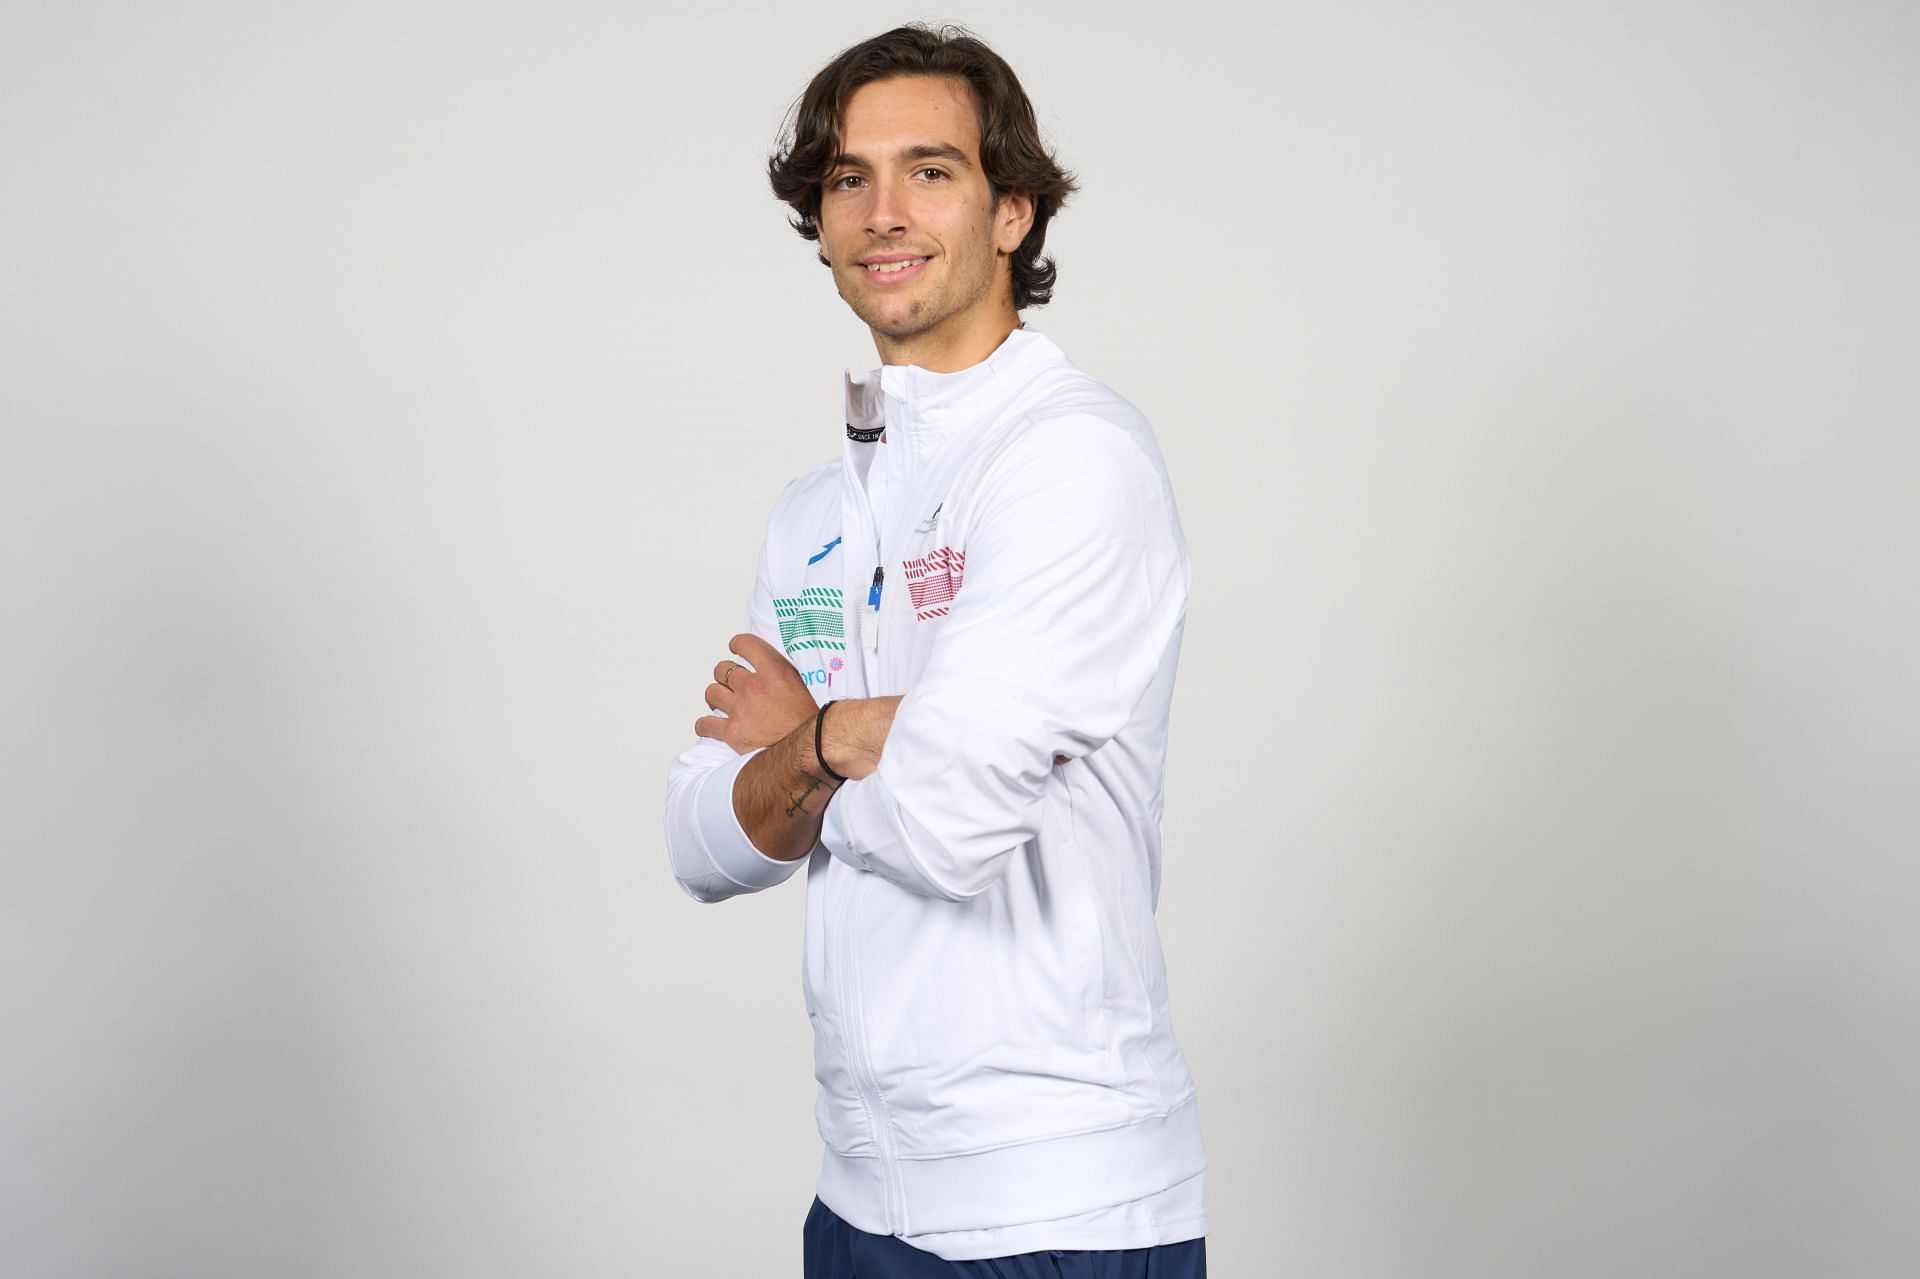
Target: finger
719	698
721	667
754	649
763	656
708	726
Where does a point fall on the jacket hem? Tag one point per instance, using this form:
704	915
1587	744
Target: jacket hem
1160	1234
1014	1185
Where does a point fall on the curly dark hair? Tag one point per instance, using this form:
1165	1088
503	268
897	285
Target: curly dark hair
1011	152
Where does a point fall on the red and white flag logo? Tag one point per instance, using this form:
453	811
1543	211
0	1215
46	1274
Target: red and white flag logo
933	580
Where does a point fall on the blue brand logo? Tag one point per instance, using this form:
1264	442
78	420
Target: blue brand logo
824	550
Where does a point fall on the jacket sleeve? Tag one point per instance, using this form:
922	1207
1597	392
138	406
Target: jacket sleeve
1075	583
711	855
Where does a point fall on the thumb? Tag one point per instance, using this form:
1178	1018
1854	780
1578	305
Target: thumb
756	650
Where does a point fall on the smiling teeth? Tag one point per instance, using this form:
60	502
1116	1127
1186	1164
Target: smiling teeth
888	268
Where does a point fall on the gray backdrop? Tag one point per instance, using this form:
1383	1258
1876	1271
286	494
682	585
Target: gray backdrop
390	406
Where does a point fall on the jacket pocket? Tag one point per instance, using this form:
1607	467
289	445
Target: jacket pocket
839	1112
985	1019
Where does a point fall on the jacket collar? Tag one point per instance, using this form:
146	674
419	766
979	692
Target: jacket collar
914	404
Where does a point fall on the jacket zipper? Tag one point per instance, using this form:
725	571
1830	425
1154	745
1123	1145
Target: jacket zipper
862	1064
852	1008
870	635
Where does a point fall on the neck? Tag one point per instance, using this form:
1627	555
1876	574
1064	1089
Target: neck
949	351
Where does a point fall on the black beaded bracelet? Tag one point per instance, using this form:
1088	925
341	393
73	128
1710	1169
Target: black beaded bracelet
820	718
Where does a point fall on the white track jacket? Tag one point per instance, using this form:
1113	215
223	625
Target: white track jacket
992	1037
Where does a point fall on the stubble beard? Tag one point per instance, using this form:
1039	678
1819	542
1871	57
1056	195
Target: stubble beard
951	296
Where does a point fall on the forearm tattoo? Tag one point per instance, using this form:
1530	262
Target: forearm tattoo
799	804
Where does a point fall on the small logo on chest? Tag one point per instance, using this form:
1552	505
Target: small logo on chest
822	677
933	580
811	619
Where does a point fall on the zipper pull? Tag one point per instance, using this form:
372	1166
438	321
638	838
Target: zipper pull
870	633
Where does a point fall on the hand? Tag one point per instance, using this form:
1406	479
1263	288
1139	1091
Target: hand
762	701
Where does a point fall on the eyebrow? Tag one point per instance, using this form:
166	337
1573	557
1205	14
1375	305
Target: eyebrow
924	151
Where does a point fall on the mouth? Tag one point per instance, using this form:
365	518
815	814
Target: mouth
895	272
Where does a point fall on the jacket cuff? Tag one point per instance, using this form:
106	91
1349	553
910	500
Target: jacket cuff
728	848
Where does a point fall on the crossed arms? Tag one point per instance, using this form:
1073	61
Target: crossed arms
1076	587
781	793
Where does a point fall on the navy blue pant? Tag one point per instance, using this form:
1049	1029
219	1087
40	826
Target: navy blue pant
836	1250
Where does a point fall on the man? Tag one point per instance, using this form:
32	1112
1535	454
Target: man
952	705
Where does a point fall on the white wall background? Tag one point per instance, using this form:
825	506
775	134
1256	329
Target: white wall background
390	403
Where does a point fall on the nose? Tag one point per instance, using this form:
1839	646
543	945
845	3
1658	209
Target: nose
887	210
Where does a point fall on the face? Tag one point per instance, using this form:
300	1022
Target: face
908	188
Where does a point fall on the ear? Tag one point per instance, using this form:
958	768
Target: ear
1013	219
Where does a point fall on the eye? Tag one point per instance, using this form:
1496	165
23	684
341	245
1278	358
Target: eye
938	173
836	184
